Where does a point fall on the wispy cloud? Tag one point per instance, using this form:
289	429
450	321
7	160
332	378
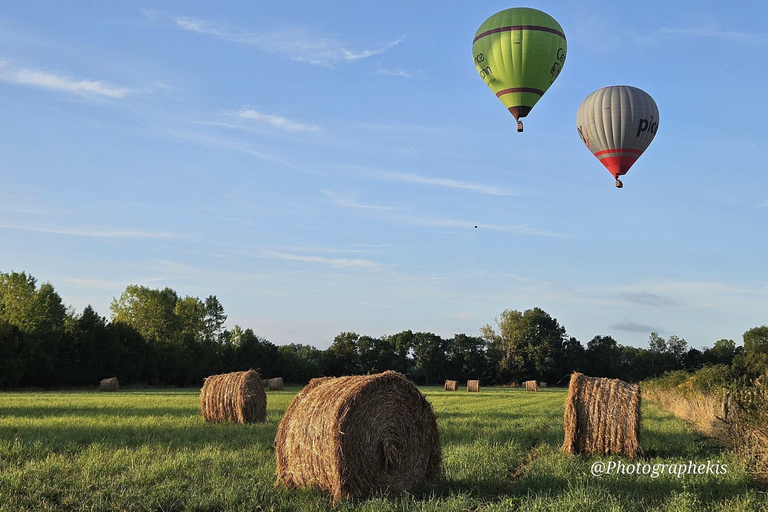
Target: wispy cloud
630	326
44	80
441	182
351	201
394	72
282	123
96	284
333	262
91	232
402	216
647	299
297	44
234	145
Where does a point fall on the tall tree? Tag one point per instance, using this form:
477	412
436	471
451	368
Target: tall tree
429	352
214	318
530	344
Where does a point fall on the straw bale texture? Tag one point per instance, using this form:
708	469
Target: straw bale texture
531	385
238	397
451	385
275	384
602	416
109	384
359	436
473	386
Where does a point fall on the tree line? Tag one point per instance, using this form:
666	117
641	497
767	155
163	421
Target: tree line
156	337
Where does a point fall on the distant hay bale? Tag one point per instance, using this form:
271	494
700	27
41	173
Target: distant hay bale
473	386
359	436
265	383
531	385
542	384
238	397
451	385
275	384
110	384
602	416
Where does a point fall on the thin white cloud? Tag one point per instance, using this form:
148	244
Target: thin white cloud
394	72
441	182
43	80
249	149
96	284
91	232
351	201
298	45
402	217
282	123
333	262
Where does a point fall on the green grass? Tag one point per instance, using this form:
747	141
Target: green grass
150	450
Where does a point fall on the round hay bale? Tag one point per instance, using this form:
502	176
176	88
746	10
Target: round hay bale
359	436
451	385
602	416
531	385
110	384
473	386
275	384
238	397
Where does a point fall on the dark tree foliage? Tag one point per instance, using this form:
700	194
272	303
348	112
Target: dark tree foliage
156	337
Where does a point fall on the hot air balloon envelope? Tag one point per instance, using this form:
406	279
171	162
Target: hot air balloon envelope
518	53
617	124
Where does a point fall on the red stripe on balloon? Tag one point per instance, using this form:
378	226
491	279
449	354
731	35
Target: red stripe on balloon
518	27
637	152
519	89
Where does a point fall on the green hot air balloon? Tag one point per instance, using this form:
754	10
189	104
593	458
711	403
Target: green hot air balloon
518	53
617	124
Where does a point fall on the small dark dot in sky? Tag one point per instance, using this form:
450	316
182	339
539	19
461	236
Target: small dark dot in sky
475	227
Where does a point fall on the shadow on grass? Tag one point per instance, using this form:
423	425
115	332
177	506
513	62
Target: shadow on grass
195	434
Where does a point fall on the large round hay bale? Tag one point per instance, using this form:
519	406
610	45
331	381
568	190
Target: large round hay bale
531	385
238	397
359	436
110	384
276	384
602	416
451	385
473	386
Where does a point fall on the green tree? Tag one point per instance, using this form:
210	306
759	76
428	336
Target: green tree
402	344
604	356
214	318
466	357
676	348
12	360
754	358
429	352
722	352
343	356
152	312
530	345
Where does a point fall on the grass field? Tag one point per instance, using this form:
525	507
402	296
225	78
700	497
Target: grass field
150	450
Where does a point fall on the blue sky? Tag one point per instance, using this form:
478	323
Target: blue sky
320	166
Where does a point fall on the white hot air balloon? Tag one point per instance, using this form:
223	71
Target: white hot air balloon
617	124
